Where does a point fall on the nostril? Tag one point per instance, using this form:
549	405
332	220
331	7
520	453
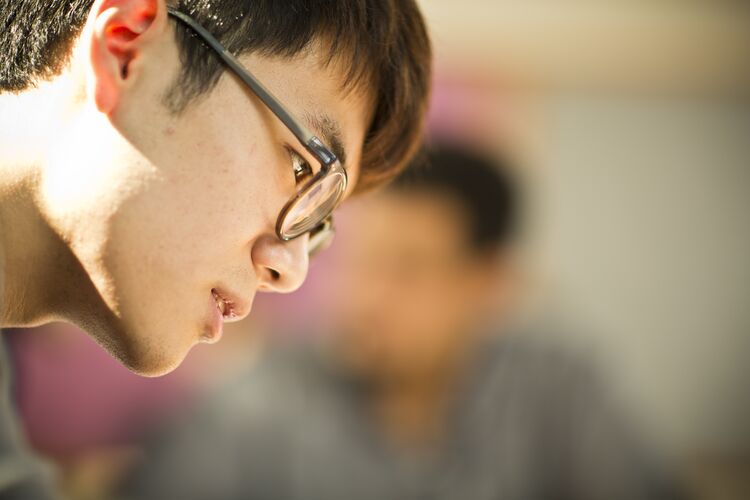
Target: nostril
275	275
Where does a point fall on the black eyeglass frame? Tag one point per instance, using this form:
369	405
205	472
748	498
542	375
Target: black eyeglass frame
328	161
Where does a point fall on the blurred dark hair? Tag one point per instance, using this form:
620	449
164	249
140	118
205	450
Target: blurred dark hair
382	46
483	186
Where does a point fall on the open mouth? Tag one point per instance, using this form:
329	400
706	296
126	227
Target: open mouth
225	306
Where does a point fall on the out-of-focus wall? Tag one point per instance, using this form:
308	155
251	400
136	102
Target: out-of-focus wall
628	45
645	206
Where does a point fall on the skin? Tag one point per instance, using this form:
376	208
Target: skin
412	329
121	217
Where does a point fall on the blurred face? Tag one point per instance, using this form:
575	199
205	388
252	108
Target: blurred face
172	216
410	290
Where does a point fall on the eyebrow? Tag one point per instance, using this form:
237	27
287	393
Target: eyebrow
330	133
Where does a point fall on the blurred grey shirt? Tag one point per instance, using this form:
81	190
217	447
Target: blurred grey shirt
21	475
528	424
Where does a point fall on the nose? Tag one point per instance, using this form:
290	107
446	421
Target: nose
280	265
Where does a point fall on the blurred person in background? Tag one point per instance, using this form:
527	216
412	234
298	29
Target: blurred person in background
421	390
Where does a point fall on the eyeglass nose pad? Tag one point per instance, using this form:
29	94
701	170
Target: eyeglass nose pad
321	237
281	266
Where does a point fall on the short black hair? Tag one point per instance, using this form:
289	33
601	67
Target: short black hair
484	186
382	46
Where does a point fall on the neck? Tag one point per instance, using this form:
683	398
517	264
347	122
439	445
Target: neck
30	120
27	245
412	417
41	275
414	410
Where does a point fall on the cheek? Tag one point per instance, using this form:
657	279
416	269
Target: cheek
239	195
167	248
173	240
218	199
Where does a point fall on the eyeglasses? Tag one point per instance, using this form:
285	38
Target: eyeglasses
309	211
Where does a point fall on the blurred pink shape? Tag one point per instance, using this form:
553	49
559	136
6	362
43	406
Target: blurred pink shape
73	396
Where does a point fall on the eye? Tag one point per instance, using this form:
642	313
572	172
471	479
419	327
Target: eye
301	168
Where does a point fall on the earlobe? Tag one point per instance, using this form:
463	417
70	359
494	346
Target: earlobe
119	32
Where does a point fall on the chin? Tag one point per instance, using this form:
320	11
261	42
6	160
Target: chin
147	353
151	366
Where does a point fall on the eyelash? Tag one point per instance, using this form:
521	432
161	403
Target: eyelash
304	170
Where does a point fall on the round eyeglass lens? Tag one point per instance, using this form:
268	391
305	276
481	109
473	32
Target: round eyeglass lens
314	205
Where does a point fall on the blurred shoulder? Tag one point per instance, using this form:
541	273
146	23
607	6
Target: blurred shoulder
539	363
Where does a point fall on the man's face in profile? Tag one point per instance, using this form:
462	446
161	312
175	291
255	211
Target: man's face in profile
166	212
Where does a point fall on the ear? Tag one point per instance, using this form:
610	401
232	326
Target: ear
119	33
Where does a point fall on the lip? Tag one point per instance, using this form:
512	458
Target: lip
235	308
215	327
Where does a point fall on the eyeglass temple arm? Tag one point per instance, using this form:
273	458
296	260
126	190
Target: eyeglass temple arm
299	130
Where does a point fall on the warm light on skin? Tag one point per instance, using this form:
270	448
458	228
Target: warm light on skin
121	217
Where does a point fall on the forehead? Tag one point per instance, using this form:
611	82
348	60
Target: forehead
313	92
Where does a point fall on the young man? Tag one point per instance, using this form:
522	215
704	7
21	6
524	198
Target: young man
416	394
161	161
